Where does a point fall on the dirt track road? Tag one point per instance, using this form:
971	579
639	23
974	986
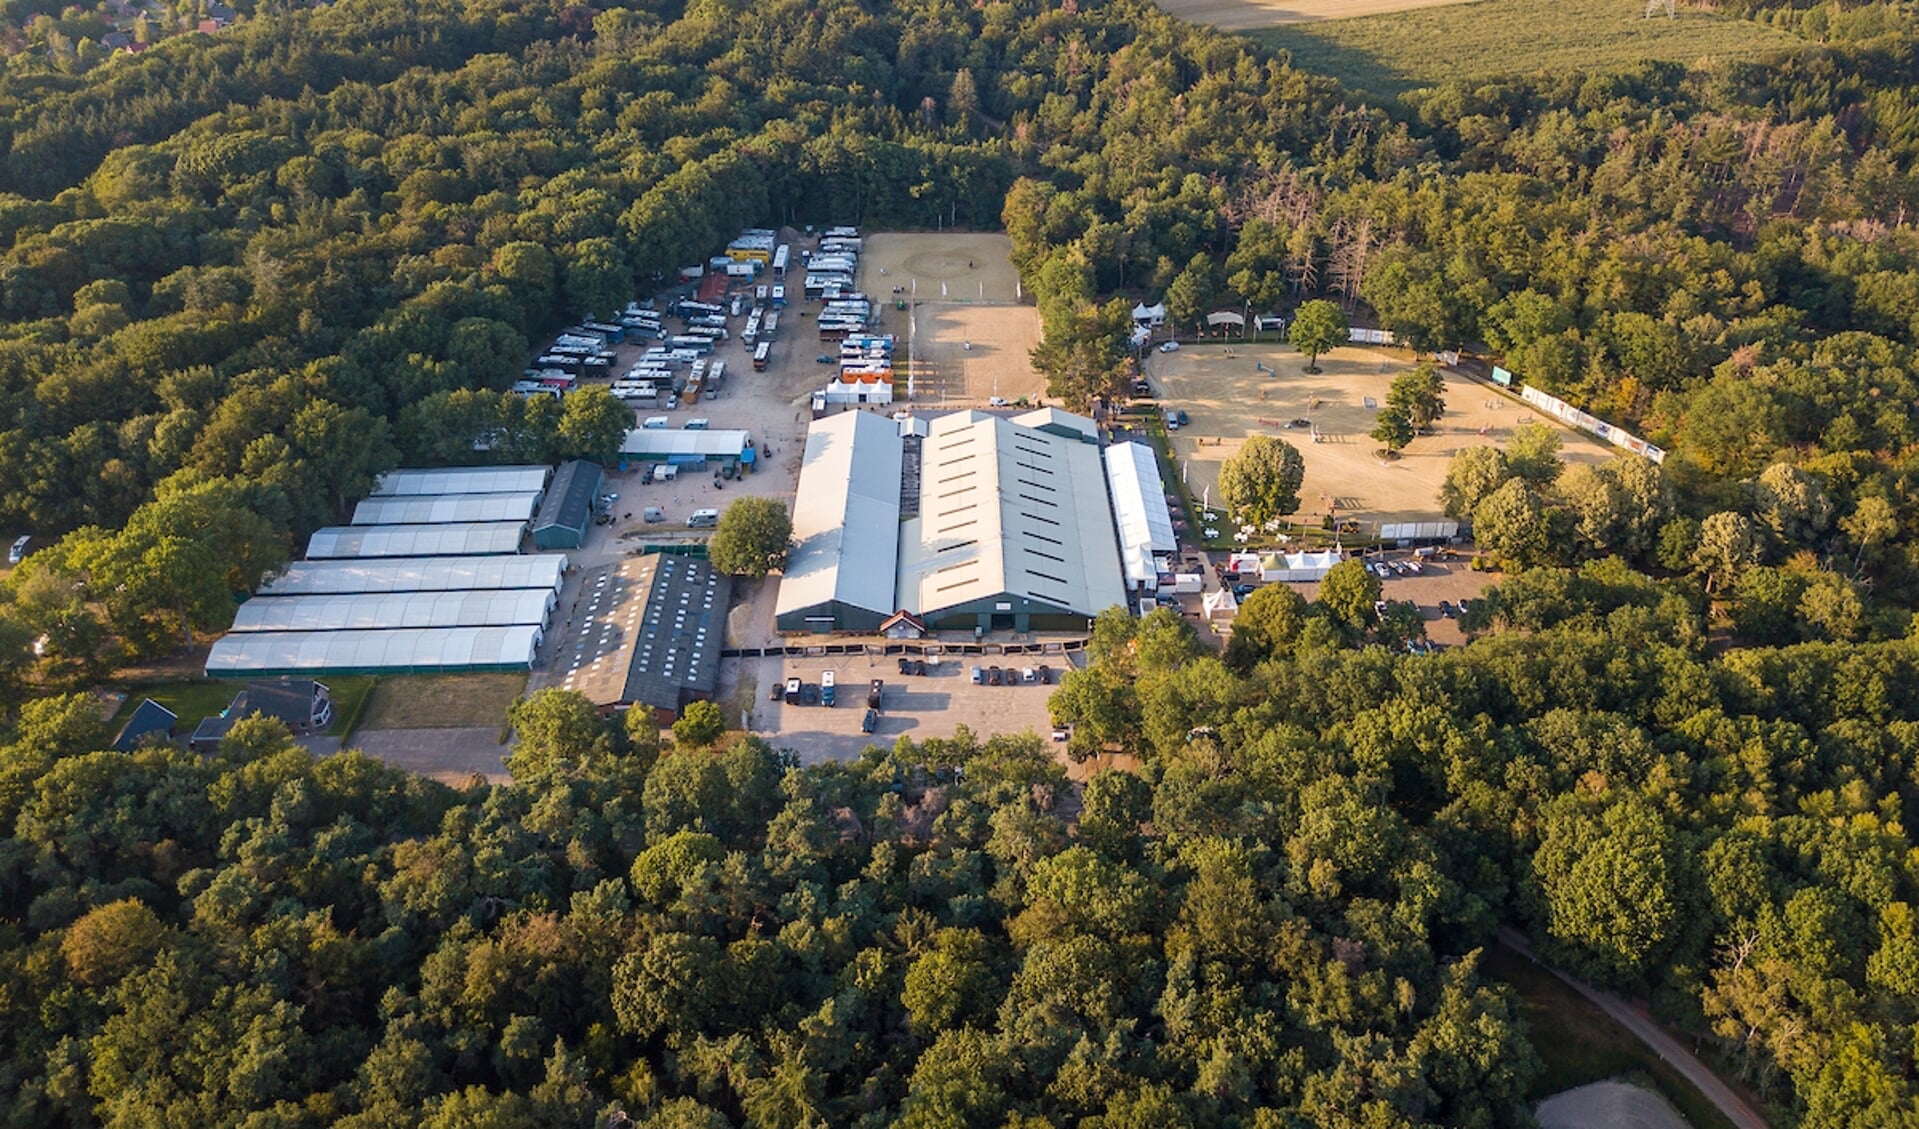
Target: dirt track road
1722	1096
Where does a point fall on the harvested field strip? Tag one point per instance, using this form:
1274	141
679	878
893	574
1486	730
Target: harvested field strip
1387	55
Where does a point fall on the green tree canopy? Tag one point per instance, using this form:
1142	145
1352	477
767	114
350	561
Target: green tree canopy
753	537
1317	328
1261	481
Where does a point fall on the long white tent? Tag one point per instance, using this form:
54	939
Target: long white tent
373	611
419	574
351	652
456	540
446	509
1139	505
464	480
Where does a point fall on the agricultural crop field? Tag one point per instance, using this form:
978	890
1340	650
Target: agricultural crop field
1390	53
1239	15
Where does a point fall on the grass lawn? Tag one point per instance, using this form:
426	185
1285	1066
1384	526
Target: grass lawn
442	701
1581	1044
1387	55
196	698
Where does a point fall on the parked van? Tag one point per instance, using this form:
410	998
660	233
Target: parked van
653	514
655	423
703	519
665	472
696	425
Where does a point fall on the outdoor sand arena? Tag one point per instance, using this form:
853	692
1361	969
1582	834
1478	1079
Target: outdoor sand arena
1608	1105
1228	400
972	268
947	373
967	292
1238	15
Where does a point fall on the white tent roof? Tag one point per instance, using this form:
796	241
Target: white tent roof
1139	504
317	652
666	442
1008	509
846	523
455	540
418	574
442	509
373	610
464	480
1143	312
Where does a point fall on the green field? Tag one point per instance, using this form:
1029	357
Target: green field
443	701
1387	55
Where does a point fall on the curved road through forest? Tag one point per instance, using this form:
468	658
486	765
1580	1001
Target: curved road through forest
1722	1096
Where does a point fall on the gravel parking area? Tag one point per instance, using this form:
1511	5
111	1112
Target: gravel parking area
935	704
451	756
1441	580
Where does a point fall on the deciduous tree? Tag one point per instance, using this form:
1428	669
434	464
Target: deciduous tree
1319	326
752	539
1261	482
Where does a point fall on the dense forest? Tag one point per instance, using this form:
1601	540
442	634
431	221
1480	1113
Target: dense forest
241	273
1277	921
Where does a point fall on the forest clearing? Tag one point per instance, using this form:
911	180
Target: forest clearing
1389	53
1238	15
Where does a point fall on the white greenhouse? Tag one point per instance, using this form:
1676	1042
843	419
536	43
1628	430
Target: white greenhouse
419	574
457	540
446	509
464	480
430	650
372	611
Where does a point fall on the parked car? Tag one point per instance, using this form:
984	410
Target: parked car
1028	675
809	694
906	665
1169	347
1447	609
1061	733
1380	568
828	687
19	551
1241	591
779	689
1045	674
875	693
992	676
870	722
996	402
792	691
979	676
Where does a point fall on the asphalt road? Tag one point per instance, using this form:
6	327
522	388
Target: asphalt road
1722	1096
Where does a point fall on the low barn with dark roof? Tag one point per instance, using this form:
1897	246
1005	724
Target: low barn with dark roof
568	509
